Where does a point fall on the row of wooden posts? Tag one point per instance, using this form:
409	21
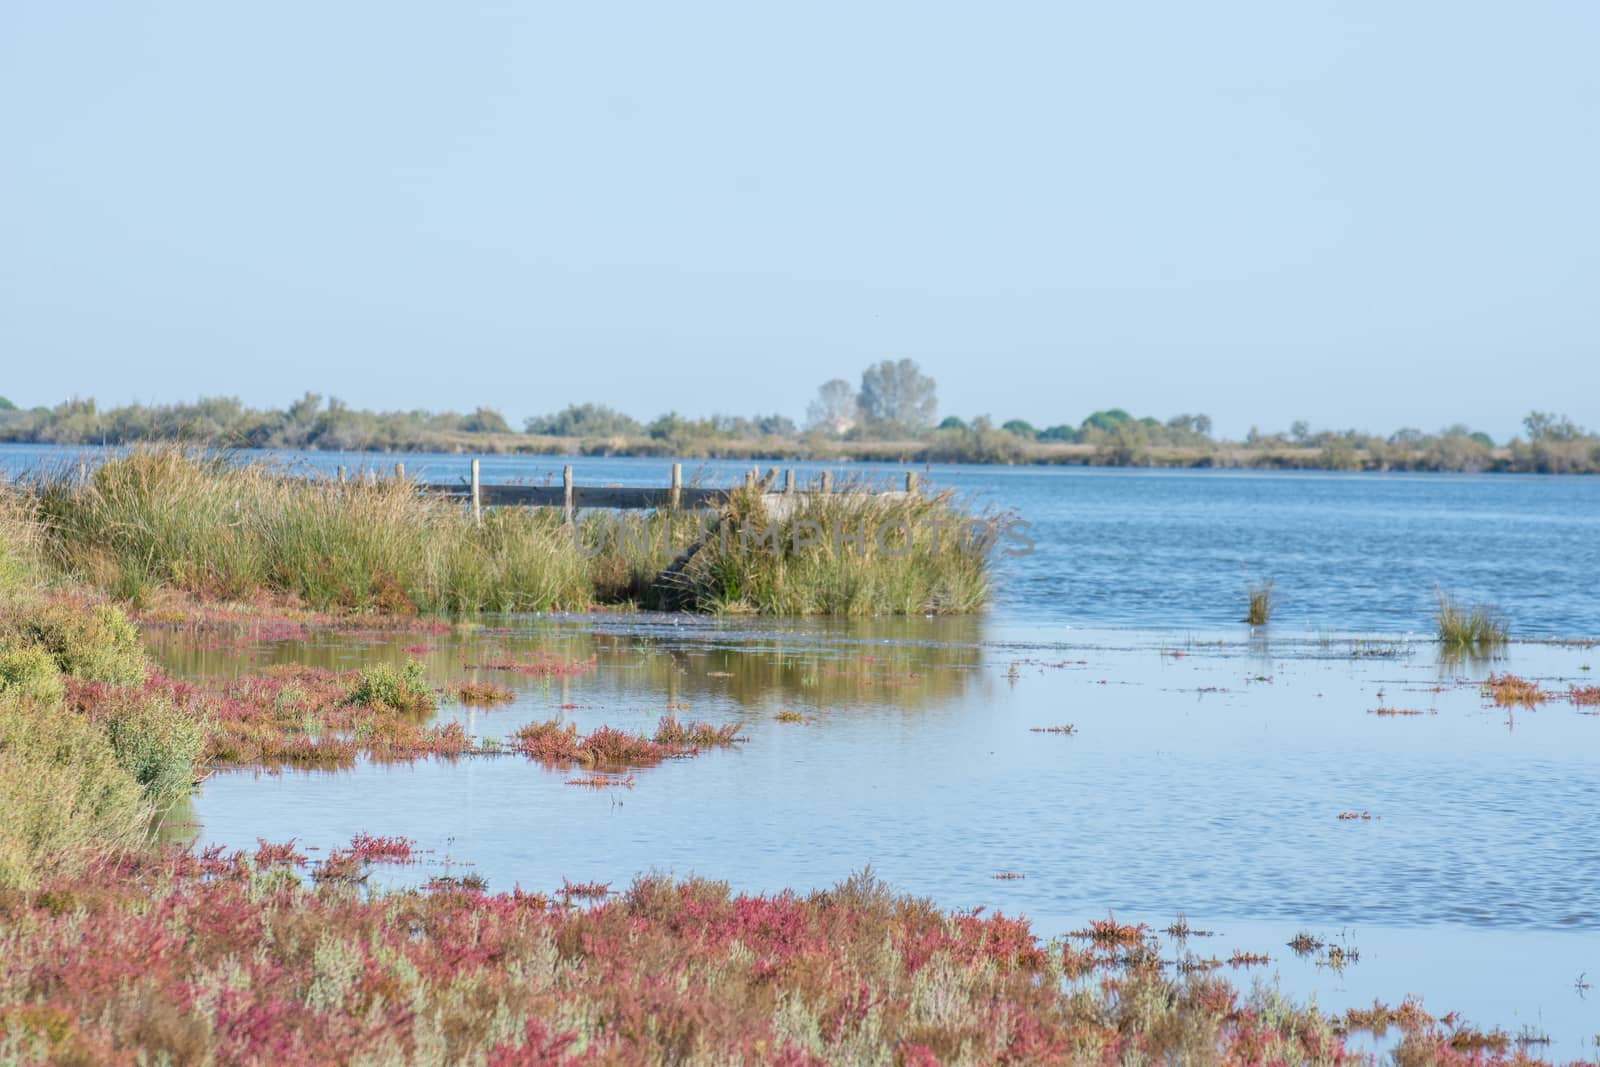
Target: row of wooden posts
569	497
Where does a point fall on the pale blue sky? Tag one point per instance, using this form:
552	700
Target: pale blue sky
1361	214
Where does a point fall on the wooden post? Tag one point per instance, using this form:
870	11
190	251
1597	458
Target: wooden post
750	478
911	481
675	487
827	482
477	496
566	487
342	474
788	482
400	471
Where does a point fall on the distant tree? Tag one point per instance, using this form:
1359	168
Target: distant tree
1202	425
773	425
1482	438
897	396
1020	427
1409	437
1058	433
1543	426
953	422
6	405
1106	421
583	420
667	427
835	410
1300	431
485	420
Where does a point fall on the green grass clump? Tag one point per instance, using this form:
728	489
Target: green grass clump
95	642
403	689
28	672
166	517
63	793
1464	628
847	553
1259	602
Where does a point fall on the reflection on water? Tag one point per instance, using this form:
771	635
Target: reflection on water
1204	775
905	663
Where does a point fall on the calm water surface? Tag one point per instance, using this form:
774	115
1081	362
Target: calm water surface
1206	775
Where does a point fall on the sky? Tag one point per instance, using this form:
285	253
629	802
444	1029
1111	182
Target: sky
1365	215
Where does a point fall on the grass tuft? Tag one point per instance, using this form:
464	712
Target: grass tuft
1468	628
1259	602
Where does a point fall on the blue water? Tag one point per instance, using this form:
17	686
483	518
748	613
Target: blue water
1175	549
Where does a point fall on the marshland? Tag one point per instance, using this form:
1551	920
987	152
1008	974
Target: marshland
1090	797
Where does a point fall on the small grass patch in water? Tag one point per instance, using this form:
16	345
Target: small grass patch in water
1386	713
1259	602
1473	628
1305	943
669	731
1063	729
482	694
403	688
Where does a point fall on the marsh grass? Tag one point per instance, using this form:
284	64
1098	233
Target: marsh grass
847	553
1467	629
229	531
165	518
1259	602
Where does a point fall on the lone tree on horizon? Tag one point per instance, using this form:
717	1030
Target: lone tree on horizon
896	395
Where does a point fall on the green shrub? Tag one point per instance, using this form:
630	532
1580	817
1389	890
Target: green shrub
156	743
94	642
63	794
28	672
405	689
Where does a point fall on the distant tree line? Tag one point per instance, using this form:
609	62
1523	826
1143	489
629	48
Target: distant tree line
890	414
